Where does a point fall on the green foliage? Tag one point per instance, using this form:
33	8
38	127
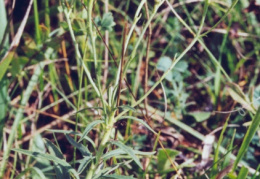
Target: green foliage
248	138
163	162
89	128
50	157
107	21
200	116
88	74
127	150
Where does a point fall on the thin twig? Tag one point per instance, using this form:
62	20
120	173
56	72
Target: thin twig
106	50
120	83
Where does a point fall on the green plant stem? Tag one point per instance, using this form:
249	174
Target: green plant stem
102	145
156	7
93	37
78	55
132	56
77	116
162	78
197	38
36	22
47	17
136	19
215	61
216	155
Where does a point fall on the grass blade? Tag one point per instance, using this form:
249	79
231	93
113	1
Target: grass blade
243	173
216	155
248	138
3	23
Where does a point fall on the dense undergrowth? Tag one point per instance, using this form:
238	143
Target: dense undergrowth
129	89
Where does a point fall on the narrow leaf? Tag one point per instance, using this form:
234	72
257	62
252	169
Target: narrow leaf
106	171
61	172
53	149
51	158
83	150
84	163
89	128
243	173
119	151
74	133
128	150
248	138
33	169
115	176
237	94
126	107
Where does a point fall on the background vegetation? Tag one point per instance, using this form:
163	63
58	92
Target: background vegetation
129	89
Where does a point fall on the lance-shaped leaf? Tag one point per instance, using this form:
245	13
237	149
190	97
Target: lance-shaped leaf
84	163
63	163
83	150
61	172
104	173
237	94
89	128
127	107
33	169
119	151
74	133
248	138
128	150
115	176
